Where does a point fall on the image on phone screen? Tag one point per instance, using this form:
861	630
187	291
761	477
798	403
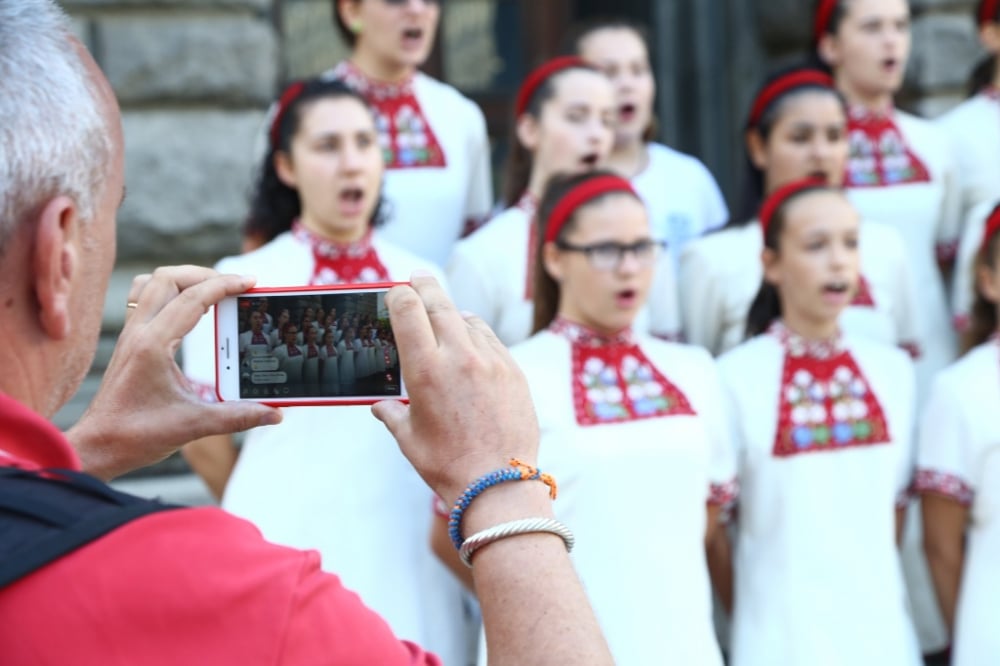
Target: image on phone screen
310	345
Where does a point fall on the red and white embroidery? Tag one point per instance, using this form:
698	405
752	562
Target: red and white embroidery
826	403
879	154
942	483
342	263
405	136
724	494
863	298
614	381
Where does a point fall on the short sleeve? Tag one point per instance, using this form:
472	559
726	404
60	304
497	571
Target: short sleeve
701	304
723	482
944	456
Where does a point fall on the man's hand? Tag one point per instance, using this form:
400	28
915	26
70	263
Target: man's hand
470	410
145	408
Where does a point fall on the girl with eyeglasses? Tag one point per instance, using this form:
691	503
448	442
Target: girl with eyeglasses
796	128
822	424
958	472
630	425
330	478
433	140
565	120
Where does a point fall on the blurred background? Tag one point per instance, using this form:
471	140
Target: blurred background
195	77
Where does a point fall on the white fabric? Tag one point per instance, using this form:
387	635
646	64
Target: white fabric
681	196
634	495
964	281
960	436
722	273
429	206
926	215
974	129
333	479
817	576
488	270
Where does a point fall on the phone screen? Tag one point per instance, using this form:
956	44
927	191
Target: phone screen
315	345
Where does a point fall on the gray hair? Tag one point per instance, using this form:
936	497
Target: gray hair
53	140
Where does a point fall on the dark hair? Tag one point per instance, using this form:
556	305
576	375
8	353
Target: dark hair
985	71
520	161
753	182
346	34
572	44
983	315
274	205
545	289
766	306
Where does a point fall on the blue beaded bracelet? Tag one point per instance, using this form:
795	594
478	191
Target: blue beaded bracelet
518	471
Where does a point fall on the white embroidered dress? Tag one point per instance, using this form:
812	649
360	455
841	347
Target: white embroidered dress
632	432
959	457
823	456
333	478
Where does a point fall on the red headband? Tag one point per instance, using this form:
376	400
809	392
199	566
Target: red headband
824	12
578	196
778	198
775	89
992	227
541	75
287	97
987	12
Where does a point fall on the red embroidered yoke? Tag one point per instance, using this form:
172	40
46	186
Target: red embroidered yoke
879	154
405	136
529	204
826	403
293	350
257	338
863	298
614	381
342	263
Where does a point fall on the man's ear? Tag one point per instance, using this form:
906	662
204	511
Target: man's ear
55	263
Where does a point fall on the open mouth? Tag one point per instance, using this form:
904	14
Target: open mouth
890	64
819	174
413	34
837	288
590	160
351	195
626	112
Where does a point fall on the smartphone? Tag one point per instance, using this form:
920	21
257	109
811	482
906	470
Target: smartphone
330	345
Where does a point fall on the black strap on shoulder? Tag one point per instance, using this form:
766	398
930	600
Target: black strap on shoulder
45	515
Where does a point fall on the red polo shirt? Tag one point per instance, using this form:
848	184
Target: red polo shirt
196	586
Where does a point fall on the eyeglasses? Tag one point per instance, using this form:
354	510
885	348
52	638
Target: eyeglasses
609	256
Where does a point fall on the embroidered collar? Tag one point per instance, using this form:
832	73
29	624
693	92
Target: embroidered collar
332	249
613	381
370	88
859	113
586	337
879	153
797	346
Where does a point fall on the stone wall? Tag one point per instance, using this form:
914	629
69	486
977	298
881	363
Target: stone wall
194	78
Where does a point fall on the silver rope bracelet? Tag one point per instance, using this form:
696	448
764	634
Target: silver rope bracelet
514	528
